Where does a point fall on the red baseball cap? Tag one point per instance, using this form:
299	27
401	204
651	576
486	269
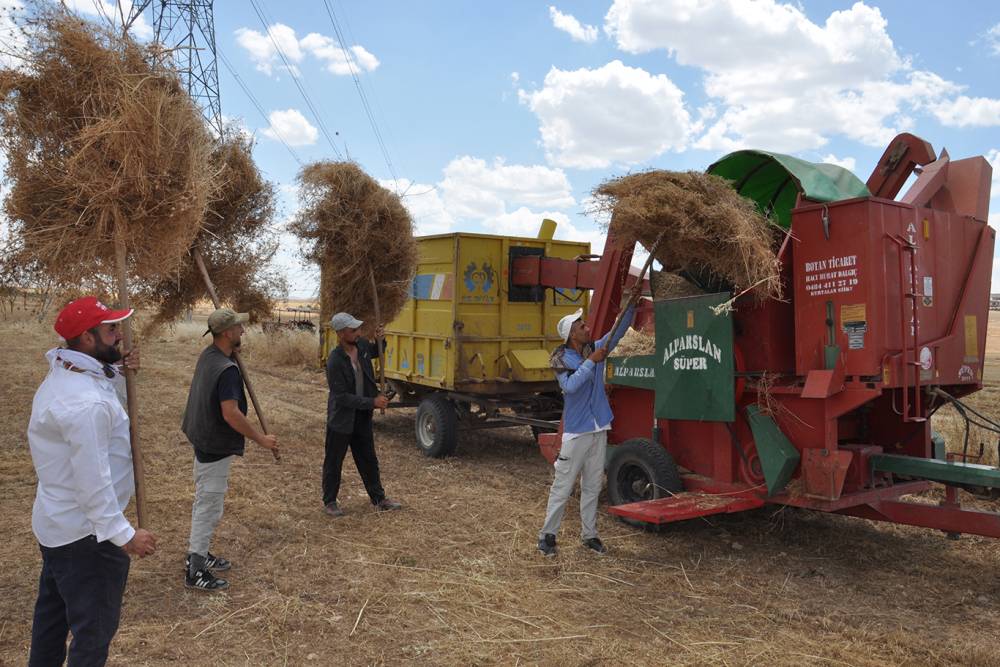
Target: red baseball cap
86	313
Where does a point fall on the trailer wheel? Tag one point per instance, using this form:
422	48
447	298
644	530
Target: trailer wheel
640	469
437	426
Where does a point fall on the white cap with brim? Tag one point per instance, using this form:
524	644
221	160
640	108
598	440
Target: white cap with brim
344	321
566	323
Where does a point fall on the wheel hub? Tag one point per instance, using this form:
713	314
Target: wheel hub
636	483
427	430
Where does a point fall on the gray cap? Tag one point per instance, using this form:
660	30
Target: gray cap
223	318
344	321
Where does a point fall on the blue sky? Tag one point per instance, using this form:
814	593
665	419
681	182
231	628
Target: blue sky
494	115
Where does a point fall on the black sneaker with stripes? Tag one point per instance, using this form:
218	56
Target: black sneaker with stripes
213	562
204	580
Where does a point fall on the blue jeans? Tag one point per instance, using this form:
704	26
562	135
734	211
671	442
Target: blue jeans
80	590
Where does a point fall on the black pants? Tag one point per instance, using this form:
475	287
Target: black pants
80	589
361	442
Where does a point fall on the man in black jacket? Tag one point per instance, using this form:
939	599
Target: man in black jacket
215	423
353	398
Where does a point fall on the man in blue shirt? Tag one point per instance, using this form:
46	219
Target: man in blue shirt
580	368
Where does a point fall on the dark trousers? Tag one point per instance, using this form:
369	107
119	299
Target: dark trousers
361	442
80	590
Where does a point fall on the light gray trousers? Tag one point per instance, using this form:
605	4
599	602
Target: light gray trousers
210	483
581	456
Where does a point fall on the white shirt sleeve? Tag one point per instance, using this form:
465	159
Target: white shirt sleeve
88	431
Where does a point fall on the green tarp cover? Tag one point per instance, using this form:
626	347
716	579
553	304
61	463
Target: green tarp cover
774	180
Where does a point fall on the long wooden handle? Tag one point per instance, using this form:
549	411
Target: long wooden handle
131	397
378	339
236	355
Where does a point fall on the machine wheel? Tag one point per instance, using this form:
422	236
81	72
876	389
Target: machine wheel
640	469
436	426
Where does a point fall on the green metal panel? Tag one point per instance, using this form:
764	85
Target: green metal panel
778	456
948	472
774	181
637	371
694	364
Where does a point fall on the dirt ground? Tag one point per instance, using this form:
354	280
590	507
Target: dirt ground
454	578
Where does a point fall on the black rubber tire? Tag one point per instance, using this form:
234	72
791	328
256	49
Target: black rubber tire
640	469
436	427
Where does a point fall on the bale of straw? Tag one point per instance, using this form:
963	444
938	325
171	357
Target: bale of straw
100	140
350	225
236	242
709	230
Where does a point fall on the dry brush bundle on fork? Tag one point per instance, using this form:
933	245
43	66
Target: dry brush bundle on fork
361	236
231	256
108	161
707	230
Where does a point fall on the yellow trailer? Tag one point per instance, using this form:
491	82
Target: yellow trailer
470	349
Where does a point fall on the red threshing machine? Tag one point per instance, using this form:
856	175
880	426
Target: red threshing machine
822	400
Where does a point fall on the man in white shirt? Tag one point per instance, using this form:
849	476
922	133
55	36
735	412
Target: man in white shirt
79	440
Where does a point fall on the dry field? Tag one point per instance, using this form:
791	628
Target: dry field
454	579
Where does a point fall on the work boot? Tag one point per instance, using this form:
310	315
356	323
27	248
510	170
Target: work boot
596	545
333	510
387	504
547	544
212	562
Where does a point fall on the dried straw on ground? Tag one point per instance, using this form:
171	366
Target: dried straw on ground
708	229
100	142
350	225
236	242
455	579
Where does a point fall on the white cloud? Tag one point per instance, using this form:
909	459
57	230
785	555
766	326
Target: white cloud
966	111
238	125
847	163
335	59
291	126
473	189
109	11
993	39
261	49
425	206
788	83
571	26
14	40
525	222
501	198
515	78
592	118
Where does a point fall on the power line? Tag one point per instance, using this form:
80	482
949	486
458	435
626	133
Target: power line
295	78
361	93
253	100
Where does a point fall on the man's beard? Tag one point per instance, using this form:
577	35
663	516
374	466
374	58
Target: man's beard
236	344
108	354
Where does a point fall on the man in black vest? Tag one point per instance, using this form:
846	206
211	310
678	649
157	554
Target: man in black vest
353	398
216	424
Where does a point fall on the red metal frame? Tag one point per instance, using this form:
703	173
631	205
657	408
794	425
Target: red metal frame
839	417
